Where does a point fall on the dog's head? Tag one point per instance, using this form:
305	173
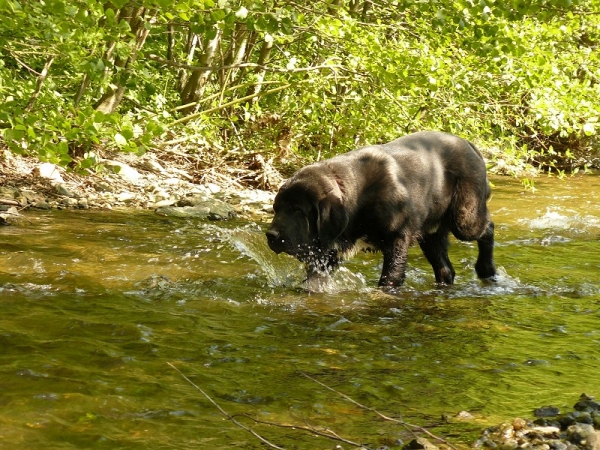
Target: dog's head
309	215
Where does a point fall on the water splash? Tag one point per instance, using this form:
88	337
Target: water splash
280	270
284	270
343	279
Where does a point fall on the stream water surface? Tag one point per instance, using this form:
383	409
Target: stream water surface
94	305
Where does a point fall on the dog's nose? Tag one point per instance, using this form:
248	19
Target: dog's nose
272	235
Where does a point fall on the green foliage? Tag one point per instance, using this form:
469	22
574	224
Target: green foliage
520	78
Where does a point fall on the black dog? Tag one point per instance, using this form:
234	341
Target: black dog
384	197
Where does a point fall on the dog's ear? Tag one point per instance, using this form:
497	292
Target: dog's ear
332	220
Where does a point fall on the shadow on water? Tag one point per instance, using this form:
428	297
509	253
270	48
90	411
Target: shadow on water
95	304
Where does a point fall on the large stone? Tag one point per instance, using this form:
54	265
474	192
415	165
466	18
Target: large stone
101	186
420	444
126	196
61	189
48	171
211	209
31	198
124	171
184	211
8	193
10	216
584	436
194	200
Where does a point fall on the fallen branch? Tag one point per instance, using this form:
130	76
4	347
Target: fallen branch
225	413
410	427
310	429
4	201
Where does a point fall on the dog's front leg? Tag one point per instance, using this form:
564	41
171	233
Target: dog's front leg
394	262
320	266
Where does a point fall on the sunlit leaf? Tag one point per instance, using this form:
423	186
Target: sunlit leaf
120	140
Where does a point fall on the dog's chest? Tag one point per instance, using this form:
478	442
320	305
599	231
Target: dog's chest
349	250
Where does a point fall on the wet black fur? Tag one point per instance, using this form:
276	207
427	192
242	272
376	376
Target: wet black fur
416	188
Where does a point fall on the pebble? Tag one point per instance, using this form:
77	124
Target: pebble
550	431
61	189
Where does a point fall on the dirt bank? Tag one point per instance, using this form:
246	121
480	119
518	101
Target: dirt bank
129	181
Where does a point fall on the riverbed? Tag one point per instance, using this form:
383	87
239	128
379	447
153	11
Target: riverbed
96	304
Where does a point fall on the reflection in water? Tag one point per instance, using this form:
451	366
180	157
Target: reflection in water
94	305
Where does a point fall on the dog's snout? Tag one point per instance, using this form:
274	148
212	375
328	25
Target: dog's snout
274	240
272	235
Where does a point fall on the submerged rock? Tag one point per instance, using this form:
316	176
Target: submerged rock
546	411
587	404
420	444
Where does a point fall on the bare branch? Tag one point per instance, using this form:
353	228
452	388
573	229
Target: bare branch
40	82
225	105
309	428
407	425
225	413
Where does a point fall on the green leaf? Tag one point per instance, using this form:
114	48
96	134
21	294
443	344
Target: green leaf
119	3
267	23
87	163
62	148
120	140
217	15
589	128
241	13
127	133
110	15
287	27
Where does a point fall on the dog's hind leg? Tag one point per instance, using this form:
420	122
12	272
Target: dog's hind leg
484	266
435	249
470	221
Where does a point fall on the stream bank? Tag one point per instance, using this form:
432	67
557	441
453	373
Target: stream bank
127	182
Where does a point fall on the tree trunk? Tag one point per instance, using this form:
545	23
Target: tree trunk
137	17
170	41
263	59
190	49
235	55
195	85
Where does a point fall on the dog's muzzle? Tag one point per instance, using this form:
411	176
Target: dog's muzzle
276	243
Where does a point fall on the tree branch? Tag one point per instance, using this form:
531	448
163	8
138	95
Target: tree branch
40	82
244	65
225	105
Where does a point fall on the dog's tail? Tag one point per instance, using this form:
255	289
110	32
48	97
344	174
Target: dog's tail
488	188
474	147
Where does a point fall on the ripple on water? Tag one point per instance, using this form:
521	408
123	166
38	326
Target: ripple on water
563	219
85	344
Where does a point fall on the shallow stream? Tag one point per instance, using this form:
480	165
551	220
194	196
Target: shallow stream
94	305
